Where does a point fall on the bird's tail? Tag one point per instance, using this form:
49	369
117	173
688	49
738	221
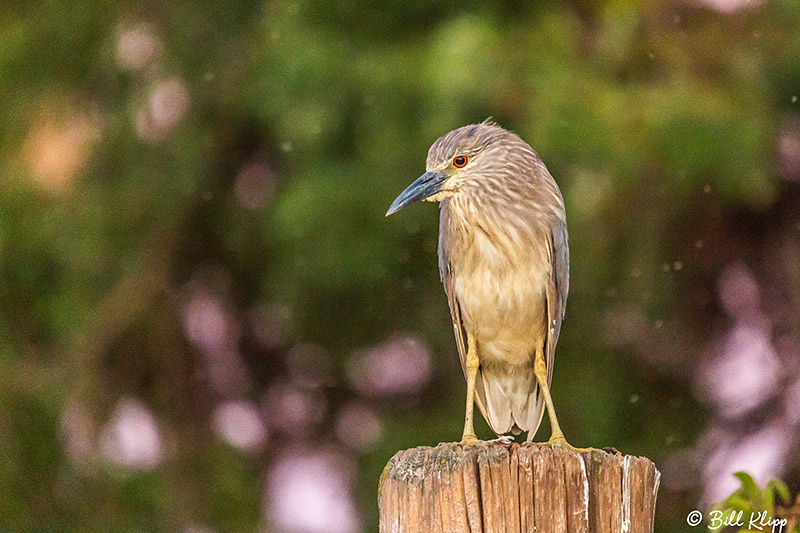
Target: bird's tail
512	400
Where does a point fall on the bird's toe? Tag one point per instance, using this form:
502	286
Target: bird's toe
558	441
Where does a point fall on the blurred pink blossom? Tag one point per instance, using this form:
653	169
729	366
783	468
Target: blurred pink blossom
744	373
206	323
401	365
358	427
312	493
137	46
240	424
730	6
215	334
293	410
763	454
745	369
167	104
131	437
738	291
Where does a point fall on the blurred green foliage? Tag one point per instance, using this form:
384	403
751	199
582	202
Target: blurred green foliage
758	509
661	122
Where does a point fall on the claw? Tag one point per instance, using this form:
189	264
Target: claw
505	440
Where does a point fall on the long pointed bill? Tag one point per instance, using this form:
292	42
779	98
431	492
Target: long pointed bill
425	186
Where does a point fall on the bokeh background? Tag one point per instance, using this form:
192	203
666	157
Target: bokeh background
207	324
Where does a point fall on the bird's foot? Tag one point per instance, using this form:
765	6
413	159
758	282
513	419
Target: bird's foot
560	442
472	440
469	439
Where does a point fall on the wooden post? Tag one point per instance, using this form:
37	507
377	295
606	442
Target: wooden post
505	488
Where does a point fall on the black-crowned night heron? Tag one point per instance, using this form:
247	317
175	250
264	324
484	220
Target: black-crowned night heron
504	263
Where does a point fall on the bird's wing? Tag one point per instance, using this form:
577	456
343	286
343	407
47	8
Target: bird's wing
446	274
461	334
557	289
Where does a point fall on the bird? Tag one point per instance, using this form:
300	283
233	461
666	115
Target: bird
504	263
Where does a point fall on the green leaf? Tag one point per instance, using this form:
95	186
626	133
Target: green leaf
781	489
749	486
738	503
769	500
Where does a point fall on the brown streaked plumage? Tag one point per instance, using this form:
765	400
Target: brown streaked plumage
504	263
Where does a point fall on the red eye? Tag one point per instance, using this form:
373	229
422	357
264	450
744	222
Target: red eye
460	161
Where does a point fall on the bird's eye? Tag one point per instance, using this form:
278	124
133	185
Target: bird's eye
460	161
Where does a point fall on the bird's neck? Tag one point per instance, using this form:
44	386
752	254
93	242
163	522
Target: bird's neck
470	212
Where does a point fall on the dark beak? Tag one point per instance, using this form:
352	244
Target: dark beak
425	186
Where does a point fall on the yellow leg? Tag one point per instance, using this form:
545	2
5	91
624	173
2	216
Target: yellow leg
556	436
468	437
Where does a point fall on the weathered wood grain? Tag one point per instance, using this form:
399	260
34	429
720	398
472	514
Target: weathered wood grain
516	488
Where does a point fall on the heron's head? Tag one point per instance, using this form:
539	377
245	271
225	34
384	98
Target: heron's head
466	157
